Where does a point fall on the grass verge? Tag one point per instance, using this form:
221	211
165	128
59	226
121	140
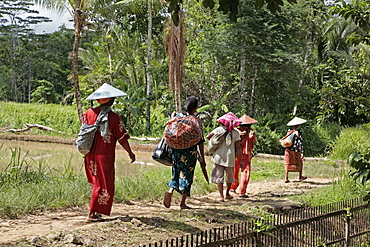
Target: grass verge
30	187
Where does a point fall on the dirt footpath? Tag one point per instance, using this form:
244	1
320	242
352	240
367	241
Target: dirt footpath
138	223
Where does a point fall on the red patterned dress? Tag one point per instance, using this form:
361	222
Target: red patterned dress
99	162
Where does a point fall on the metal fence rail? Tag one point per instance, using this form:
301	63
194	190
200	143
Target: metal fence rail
345	223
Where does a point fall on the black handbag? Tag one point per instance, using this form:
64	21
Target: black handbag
163	153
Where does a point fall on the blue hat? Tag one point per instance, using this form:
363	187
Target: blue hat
106	91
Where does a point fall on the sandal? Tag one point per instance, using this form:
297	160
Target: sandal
243	196
185	207
302	178
221	200
229	197
167	199
95	218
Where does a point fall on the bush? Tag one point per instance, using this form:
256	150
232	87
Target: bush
319	139
351	140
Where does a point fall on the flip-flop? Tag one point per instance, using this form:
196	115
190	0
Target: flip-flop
97	218
185	207
244	196
287	181
229	197
221	200
302	178
167	199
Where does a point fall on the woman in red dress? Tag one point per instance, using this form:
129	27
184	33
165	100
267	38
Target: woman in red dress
99	162
248	138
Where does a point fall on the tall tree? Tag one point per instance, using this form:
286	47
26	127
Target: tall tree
148	65
82	11
17	16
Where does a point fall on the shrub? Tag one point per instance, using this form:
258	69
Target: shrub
351	140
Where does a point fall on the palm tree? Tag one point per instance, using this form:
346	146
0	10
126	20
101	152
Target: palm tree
81	12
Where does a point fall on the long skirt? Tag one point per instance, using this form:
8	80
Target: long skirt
240	186
183	169
293	161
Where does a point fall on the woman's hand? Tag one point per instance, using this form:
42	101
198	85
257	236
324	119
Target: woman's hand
202	161
132	157
242	165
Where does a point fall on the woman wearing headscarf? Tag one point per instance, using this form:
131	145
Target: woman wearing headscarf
99	162
184	159
294	153
224	156
248	138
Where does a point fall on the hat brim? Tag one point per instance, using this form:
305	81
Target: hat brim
247	120
106	91
296	121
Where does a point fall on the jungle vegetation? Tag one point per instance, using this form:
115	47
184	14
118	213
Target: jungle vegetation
306	58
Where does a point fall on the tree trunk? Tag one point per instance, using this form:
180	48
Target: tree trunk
176	48
242	76
148	67
78	18
253	97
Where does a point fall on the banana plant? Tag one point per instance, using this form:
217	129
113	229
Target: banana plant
362	165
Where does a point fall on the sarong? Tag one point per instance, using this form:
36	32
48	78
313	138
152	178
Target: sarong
293	161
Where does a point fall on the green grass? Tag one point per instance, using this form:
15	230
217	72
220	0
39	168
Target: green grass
351	140
30	186
150	184
342	189
61	118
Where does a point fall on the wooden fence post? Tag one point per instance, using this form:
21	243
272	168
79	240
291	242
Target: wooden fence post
348	227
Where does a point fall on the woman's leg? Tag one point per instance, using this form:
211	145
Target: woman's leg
286	176
220	188
227	194
183	202
244	181
229	180
235	184
167	198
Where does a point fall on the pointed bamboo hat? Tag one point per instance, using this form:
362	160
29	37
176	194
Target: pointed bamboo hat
106	91
296	121
247	120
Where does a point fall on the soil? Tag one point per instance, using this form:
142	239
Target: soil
138	223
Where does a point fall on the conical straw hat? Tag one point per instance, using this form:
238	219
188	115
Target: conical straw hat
106	91
296	121
247	120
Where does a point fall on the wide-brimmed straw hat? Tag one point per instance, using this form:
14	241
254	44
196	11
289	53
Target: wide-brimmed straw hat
106	91
247	120
296	121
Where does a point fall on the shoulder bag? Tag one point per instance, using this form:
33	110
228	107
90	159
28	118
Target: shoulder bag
287	141
163	153
85	139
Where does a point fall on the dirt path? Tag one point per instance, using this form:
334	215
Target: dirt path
143	223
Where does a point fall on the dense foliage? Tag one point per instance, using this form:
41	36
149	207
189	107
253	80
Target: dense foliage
308	59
